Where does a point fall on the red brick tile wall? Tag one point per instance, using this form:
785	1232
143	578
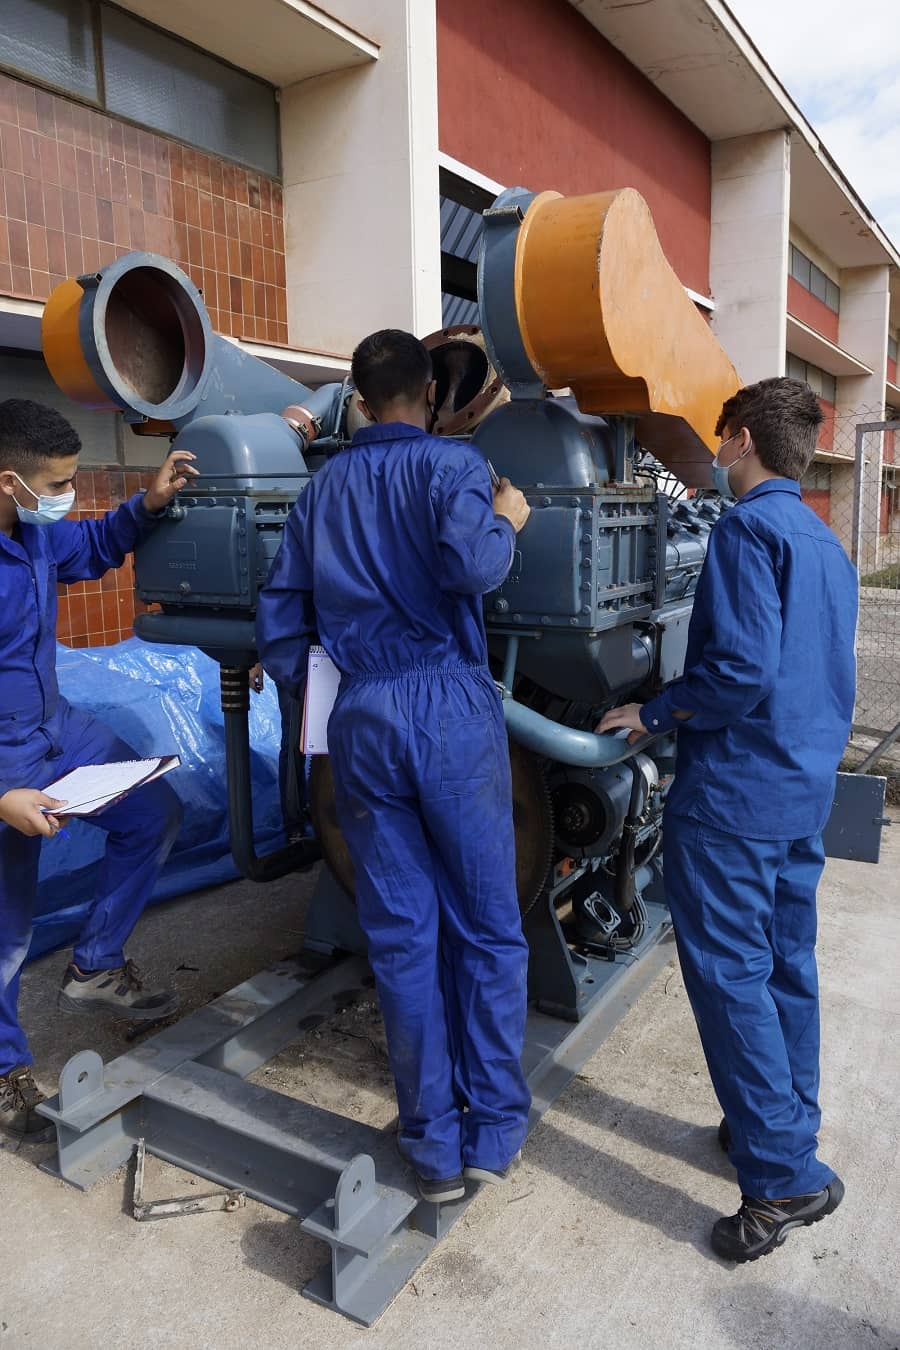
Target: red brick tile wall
826	430
819	500
78	188
98	613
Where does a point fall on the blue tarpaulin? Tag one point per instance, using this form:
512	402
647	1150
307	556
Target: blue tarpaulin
161	700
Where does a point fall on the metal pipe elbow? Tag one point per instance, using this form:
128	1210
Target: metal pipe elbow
565	745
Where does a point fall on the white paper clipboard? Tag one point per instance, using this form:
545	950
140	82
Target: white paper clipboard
322	681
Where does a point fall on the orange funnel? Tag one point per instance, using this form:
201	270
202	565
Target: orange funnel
600	311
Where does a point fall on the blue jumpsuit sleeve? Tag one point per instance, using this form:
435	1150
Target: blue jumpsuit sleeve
475	546
285	614
739	663
85	549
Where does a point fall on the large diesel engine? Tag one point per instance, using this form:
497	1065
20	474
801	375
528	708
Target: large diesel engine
594	384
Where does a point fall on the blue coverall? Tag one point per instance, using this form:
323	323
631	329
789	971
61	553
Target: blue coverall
42	737
769	682
386	556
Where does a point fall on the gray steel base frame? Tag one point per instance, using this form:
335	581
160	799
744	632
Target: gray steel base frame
183	1092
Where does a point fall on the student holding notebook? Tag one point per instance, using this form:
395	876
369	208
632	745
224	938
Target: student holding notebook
386	556
42	738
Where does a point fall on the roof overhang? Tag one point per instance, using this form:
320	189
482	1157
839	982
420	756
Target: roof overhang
282	41
700	58
811	346
20	323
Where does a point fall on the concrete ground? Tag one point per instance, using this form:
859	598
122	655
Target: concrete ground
601	1237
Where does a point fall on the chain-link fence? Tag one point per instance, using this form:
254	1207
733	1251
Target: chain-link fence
855	486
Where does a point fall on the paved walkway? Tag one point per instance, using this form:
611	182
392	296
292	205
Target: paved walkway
600	1240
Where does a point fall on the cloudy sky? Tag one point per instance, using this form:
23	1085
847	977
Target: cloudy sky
841	64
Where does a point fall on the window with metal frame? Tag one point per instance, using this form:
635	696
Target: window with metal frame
823	384
817	477
116	62
813	279
53	41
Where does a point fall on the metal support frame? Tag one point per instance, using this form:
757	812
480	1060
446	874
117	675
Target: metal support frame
863	429
183	1093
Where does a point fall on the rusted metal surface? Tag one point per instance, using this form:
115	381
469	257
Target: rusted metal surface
143	1209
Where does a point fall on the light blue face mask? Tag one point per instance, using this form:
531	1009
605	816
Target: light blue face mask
720	472
49	509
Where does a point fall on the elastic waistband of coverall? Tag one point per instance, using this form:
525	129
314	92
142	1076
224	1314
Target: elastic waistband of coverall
416	673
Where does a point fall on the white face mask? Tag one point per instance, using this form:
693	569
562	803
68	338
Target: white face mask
49	509
721	472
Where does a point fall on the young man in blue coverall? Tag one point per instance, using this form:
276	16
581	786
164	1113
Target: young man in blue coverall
385	557
763	714
42	738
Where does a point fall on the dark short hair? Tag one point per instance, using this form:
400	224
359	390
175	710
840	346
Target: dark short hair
783	417
389	365
31	433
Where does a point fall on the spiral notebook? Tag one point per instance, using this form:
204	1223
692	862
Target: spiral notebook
322	681
91	788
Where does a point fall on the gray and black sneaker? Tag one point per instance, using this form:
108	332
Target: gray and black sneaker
120	992
19	1095
439	1192
762	1225
492	1177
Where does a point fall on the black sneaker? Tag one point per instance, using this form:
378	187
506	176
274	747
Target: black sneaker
762	1225
724	1136
120	991
19	1095
439	1192
491	1176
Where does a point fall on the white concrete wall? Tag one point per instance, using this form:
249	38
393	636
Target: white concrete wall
749	250
865	301
360	158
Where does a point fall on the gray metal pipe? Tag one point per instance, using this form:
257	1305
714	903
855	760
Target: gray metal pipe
566	745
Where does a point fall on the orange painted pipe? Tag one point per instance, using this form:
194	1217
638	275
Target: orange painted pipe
601	312
62	347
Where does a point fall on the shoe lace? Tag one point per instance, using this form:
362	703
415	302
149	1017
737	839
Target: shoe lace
756	1219
132	977
22	1091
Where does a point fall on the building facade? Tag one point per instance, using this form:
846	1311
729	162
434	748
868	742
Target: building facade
319	170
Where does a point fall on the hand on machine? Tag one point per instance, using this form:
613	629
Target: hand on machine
510	503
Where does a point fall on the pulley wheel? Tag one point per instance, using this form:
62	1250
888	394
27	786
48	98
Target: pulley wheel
532	817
